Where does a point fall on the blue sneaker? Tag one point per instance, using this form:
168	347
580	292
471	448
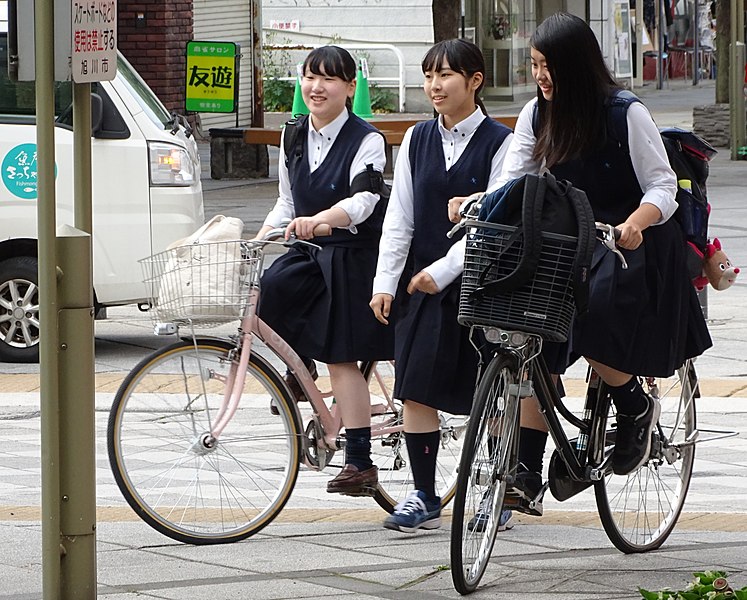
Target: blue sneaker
414	513
482	516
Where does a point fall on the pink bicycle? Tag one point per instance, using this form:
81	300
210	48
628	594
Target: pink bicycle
204	437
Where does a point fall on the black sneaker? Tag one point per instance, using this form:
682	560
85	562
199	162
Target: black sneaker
633	438
525	496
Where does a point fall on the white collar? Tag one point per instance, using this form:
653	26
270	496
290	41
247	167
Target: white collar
331	130
463	128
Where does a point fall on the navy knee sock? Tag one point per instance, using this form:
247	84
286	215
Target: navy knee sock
629	398
532	448
358	448
423	451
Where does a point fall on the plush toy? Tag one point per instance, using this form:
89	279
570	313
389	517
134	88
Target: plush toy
717	269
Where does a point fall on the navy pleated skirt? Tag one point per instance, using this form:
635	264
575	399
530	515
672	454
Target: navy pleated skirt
318	301
435	364
644	320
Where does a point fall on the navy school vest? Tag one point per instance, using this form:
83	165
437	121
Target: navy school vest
433	185
330	183
606	174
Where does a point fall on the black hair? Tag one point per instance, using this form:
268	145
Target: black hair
463	57
574	122
332	61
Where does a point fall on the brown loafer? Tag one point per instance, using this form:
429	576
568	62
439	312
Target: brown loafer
352	482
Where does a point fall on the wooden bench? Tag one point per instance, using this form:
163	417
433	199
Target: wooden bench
393	130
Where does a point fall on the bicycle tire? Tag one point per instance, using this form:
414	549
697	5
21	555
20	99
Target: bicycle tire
389	452
183	488
483	472
639	511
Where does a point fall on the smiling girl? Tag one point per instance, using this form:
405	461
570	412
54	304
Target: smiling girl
458	153
317	300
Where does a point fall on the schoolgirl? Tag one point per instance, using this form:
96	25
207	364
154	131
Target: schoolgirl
317	300
643	321
458	153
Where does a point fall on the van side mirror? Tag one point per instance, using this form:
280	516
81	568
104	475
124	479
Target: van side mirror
97	113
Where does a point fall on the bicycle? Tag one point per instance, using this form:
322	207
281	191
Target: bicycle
638	511
204	437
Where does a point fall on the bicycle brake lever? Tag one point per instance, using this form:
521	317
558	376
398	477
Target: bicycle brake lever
608	241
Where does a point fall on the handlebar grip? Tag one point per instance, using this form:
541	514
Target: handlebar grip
616	233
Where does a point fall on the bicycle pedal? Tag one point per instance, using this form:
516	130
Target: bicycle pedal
364	492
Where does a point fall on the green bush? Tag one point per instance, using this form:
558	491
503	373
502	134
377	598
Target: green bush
278	95
710	585
382	99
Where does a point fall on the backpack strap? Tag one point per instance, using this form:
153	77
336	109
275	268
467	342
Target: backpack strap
293	140
370	180
533	201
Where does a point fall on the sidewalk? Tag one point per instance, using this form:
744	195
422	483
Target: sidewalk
334	548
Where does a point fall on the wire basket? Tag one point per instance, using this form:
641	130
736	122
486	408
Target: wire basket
545	305
205	284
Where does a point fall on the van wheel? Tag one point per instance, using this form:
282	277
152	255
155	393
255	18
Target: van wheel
19	310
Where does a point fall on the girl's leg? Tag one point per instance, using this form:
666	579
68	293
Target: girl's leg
637	414
359	476
422	508
422	432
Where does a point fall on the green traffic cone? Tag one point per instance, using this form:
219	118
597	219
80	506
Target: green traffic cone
362	97
299	106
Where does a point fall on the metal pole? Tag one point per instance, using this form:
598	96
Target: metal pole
660	54
48	358
696	43
736	78
76	372
258	109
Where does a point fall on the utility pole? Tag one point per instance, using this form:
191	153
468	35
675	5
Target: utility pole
736	78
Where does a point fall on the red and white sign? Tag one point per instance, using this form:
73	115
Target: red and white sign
294	25
94	40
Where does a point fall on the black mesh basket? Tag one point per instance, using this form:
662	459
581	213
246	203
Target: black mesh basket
544	305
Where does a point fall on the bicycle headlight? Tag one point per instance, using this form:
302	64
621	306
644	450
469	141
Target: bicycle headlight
170	165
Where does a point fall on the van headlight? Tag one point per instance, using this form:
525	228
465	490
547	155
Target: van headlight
170	165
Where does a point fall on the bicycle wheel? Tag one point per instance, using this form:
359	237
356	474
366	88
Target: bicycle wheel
173	477
483	471
389	451
639	510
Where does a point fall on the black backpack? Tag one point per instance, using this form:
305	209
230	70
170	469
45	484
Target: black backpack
688	156
536	205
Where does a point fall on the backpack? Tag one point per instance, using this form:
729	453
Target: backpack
688	156
365	181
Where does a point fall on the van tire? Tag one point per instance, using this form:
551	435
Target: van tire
19	330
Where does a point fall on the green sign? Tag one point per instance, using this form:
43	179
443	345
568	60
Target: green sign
212	76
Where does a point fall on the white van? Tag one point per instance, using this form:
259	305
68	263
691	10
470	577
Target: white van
146	192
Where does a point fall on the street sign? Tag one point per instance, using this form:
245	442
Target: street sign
94	38
212	76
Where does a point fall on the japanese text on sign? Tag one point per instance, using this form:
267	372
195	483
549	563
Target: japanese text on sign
94	51
211	76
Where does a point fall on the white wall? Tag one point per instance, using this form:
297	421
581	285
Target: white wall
407	24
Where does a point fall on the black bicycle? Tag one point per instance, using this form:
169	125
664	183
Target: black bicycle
638	511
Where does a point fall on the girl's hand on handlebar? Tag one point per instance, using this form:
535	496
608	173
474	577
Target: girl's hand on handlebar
422	282
306	228
631	236
381	305
455	205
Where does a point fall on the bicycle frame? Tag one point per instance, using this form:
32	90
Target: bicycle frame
330	421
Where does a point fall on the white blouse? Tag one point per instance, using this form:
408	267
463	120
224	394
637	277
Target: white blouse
399	220
656	178
359	206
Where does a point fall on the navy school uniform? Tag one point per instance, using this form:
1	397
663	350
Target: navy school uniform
318	300
645	320
435	364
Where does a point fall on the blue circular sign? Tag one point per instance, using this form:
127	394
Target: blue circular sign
20	171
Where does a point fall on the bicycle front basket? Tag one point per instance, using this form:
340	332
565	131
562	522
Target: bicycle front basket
206	284
544	305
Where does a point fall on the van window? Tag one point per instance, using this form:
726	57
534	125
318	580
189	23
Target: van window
17	97
145	97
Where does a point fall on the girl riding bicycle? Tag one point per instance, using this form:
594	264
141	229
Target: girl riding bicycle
317	299
645	320
458	153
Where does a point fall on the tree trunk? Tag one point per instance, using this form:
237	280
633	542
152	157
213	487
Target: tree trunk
723	40
446	19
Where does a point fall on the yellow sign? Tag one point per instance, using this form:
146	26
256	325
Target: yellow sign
212	76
